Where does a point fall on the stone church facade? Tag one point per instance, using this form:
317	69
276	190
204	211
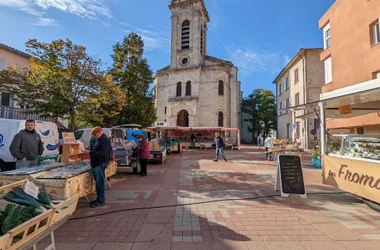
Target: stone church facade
195	90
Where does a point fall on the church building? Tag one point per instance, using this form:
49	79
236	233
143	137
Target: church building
196	90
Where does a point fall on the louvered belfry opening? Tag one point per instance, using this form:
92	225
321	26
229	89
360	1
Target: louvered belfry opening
185	34
202	41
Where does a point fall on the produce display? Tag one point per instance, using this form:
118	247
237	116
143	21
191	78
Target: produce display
356	146
65	172
33	170
14	215
18	207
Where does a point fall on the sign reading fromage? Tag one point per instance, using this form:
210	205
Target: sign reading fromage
354	176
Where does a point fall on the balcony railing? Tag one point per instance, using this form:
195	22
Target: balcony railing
23	114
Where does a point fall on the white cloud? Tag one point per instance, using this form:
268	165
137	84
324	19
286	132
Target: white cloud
47	22
154	39
250	60
287	59
21	5
84	8
92	9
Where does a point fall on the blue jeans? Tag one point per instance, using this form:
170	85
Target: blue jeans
220	151
99	175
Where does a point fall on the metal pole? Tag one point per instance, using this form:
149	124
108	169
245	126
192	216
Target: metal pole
322	127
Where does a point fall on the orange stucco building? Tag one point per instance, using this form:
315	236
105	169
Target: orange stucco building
351	54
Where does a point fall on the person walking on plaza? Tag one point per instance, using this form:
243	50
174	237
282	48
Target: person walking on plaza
144	155
260	140
193	140
268	143
219	144
100	156
27	146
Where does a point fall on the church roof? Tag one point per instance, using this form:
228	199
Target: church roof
210	58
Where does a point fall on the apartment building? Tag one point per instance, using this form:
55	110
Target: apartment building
300	82
8	57
351	55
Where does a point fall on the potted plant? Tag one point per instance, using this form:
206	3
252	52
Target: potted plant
315	159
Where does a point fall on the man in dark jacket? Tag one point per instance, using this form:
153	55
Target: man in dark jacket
27	146
219	144
100	157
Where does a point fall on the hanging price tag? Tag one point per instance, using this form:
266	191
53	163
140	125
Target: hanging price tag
31	189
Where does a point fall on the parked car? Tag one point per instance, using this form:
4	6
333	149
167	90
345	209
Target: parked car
9	128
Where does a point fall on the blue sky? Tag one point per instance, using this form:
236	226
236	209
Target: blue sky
258	36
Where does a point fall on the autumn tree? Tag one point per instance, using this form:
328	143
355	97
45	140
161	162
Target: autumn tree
61	77
130	71
105	106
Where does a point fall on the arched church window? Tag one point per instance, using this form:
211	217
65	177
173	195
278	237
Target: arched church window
179	89
220	119
221	88
185	37
188	88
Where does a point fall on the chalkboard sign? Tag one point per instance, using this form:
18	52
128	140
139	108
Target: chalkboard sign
290	172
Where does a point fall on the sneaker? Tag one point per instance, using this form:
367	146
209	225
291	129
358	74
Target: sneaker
215	160
97	204
92	202
225	160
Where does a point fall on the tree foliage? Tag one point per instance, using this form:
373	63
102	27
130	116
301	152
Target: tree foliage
59	80
104	107
130	71
259	108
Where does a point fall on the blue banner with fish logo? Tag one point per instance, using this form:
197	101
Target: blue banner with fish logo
51	147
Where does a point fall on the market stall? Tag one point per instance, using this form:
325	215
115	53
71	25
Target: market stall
72	176
204	135
350	162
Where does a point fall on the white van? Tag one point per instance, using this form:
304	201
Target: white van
84	135
9	128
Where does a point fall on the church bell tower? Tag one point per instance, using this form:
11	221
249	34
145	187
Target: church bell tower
189	33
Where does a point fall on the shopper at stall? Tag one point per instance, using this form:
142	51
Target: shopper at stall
219	144
100	156
144	155
268	143
193	140
27	146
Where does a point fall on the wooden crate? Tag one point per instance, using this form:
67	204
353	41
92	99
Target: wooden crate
70	153
4	241
35	226
81	185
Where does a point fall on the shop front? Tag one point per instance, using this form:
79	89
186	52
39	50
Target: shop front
351	162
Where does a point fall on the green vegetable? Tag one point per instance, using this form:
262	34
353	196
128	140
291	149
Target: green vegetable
18	196
15	216
44	198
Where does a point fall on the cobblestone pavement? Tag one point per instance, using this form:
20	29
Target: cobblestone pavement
201	204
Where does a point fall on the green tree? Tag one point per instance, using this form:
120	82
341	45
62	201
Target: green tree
267	110
58	81
249	109
130	71
259	108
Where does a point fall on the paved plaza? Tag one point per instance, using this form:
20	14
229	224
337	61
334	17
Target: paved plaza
220	205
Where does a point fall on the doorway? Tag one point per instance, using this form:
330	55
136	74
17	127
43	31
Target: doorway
183	119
